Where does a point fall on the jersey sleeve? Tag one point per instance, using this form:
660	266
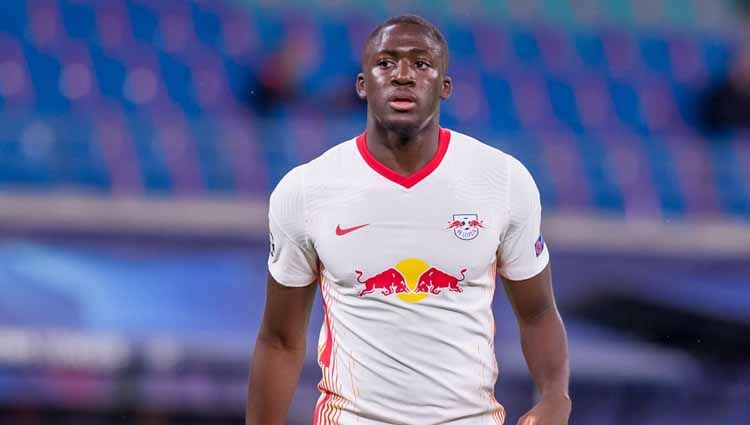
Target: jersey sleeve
522	251
292	259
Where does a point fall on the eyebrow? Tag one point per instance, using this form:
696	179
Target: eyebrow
414	50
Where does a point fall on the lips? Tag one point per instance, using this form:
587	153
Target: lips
402	102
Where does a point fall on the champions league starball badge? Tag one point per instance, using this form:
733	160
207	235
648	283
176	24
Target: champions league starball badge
465	226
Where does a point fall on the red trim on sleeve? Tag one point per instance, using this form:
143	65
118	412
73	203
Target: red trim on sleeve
405	181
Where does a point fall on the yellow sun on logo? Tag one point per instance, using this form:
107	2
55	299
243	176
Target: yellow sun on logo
411	269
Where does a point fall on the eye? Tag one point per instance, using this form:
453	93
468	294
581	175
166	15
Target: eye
422	65
384	63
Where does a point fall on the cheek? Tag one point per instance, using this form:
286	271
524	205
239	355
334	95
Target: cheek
433	88
381	80
373	81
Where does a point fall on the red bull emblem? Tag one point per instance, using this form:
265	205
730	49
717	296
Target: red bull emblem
433	280
465	226
388	282
410	280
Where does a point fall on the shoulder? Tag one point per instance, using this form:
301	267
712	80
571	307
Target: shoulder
484	164
341	152
325	166
483	157
483	151
331	164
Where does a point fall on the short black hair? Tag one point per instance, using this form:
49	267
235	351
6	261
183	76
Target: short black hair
431	29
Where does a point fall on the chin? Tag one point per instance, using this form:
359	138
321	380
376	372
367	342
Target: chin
403	127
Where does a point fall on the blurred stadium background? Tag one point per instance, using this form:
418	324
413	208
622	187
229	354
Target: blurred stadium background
139	140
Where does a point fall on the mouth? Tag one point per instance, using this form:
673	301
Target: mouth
402	102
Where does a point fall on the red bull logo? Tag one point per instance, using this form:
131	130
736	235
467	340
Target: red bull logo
465	226
411	280
388	282
475	223
433	280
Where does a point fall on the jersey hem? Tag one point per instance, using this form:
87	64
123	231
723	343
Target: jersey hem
528	273
288	282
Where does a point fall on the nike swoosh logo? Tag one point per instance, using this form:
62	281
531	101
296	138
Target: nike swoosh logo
342	232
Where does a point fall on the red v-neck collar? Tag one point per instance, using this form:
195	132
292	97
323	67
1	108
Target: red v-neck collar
405	181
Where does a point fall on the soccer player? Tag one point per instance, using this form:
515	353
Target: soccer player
405	227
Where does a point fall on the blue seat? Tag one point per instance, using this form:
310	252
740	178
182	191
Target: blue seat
686	99
665	178
13	17
527	149
178	80
143	21
207	25
215	168
626	104
655	54
460	40
269	28
150	155
526	48
729	181
110	73
503	111
17	169
240	79
606	195
591	50
85	165
563	101
334	44
717	55
78	19
45	71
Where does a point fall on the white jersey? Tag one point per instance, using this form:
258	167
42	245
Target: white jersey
407	270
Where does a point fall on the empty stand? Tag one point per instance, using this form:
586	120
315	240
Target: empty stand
136	96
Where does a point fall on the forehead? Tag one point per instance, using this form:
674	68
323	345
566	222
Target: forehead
404	38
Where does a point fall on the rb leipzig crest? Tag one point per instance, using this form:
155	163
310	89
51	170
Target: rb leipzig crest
465	226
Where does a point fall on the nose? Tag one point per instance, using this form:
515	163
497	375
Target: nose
404	74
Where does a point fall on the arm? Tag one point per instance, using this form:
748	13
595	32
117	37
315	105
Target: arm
544	346
279	353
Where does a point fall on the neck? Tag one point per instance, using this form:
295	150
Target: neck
404	154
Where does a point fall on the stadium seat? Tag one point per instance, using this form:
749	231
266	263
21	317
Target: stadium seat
595	84
78	19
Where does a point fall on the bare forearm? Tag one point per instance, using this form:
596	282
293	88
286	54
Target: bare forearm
274	375
545	348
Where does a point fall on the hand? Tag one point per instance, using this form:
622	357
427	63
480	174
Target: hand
549	411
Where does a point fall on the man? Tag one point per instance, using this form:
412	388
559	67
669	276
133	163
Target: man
405	227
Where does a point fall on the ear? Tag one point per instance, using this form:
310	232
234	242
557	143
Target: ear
445	93
360	86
